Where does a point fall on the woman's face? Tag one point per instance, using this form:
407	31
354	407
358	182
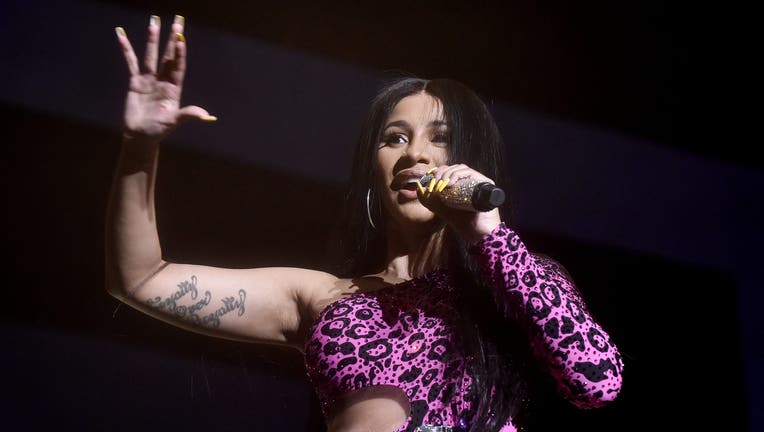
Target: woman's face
414	139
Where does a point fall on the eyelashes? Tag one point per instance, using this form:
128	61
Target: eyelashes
396	138
441	138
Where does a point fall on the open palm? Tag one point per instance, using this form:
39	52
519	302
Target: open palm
152	107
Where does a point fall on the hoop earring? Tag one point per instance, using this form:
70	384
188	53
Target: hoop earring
368	208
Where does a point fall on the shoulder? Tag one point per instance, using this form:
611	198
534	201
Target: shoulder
317	297
321	297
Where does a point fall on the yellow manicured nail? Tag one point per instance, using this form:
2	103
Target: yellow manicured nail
154	21
179	19
419	186
431	186
431	170
120	31
179	37
208	118
441	185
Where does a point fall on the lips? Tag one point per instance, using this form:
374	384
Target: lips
407	179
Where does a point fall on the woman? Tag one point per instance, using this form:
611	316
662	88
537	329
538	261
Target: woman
439	312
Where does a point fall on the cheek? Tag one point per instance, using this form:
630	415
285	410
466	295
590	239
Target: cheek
384	167
440	156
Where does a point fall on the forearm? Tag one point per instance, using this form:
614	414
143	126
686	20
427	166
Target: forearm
575	349
132	245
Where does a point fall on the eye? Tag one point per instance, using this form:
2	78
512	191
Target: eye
394	138
441	139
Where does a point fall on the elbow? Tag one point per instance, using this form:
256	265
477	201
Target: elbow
114	284
599	397
111	277
589	390
114	275
121	283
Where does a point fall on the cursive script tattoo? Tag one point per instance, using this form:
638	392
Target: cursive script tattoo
230	304
170	303
194	312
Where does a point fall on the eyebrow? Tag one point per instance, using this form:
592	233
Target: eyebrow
405	124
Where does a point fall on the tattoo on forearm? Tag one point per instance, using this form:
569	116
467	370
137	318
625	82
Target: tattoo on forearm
194	312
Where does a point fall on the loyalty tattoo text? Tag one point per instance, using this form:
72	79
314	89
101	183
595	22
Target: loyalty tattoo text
193	312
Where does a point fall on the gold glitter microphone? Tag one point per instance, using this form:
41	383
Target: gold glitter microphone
469	194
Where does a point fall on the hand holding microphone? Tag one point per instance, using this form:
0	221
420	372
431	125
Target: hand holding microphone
467	193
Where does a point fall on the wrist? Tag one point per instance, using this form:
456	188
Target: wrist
481	229
132	140
479	235
138	153
499	231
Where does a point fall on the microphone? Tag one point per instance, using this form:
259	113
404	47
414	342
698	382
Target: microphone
468	194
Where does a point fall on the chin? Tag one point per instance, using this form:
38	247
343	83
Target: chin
407	213
413	214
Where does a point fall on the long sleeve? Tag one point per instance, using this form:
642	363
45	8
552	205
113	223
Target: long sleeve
577	352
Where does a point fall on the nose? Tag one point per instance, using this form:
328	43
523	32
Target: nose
418	150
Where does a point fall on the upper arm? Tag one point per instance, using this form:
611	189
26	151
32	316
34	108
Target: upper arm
269	305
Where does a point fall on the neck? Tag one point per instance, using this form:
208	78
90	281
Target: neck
413	254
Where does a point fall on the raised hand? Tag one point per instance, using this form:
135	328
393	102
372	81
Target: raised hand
152	107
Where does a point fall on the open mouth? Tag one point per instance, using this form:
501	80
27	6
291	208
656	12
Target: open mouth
410	185
407	179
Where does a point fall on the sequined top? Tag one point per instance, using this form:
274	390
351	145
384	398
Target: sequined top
404	336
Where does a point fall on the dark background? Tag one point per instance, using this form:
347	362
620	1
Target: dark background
659	228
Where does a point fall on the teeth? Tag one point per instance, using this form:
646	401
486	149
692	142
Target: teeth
413	180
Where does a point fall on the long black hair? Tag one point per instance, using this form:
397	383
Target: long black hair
492	341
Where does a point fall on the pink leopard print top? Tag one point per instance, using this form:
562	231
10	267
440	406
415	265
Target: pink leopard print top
403	336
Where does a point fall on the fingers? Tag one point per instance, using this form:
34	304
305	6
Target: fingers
194	112
451	174
422	193
456	209
178	24
446	175
177	71
426	190
152	45
127	51
174	59
173	55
